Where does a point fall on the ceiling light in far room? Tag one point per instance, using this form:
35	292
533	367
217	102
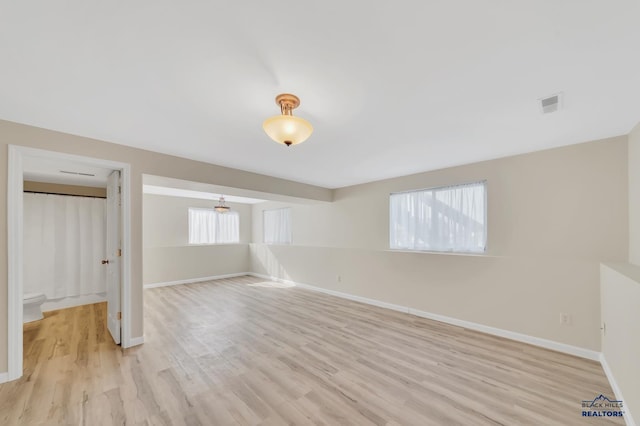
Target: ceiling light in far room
222	206
285	128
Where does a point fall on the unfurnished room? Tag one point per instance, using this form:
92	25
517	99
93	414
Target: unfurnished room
320	213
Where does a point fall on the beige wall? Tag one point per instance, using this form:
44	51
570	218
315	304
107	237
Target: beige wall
620	341
167	255
167	264
634	196
142	162
553	217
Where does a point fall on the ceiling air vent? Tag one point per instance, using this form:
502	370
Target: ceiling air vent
76	173
550	103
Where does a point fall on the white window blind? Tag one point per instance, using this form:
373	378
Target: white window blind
206	226
452	219
276	226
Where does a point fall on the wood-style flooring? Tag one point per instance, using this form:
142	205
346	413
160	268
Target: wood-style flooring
245	351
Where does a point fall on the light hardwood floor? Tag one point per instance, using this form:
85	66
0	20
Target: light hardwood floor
242	351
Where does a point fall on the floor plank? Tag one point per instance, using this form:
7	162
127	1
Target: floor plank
245	351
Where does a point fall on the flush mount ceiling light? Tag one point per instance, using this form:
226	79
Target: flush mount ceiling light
285	128
222	206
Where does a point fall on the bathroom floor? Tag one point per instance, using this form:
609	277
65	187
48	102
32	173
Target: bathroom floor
65	333
68	352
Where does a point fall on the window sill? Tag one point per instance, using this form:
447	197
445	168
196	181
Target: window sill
212	244
445	253
195	245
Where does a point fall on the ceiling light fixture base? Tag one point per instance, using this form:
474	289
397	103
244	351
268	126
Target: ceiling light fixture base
287	103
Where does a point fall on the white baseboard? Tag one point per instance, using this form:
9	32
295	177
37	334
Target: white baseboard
536	341
71	302
4	377
628	418
195	280
135	341
512	335
355	298
268	277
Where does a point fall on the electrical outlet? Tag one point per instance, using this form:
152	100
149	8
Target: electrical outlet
565	319
339	278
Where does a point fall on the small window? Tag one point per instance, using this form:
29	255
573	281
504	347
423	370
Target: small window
448	219
206	226
277	226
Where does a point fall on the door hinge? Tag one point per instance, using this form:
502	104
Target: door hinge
119	316
119	253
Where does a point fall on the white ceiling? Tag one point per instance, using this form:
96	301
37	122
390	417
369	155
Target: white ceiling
391	88
186	193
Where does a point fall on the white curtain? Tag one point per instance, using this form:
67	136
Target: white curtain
64	244
440	219
276	225
206	226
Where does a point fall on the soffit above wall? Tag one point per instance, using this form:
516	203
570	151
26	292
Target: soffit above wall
171	186
186	193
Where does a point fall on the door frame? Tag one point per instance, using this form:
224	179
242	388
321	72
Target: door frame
15	245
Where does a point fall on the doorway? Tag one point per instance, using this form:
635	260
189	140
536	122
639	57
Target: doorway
118	259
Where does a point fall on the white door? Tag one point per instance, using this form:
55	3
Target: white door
112	262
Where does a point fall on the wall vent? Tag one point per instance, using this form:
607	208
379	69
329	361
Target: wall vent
551	103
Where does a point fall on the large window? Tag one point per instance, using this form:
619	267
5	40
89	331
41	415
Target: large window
449	219
276	225
206	226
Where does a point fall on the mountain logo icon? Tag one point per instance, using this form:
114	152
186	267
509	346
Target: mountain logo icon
598	400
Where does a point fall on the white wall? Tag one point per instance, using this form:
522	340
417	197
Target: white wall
620	300
621	338
553	217
167	255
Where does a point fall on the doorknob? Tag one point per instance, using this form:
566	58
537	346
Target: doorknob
105	262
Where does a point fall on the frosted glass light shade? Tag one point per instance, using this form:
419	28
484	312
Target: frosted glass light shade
287	129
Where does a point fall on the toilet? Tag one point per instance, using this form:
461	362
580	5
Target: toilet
32	307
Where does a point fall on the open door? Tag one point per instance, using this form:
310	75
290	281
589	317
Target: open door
112	262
